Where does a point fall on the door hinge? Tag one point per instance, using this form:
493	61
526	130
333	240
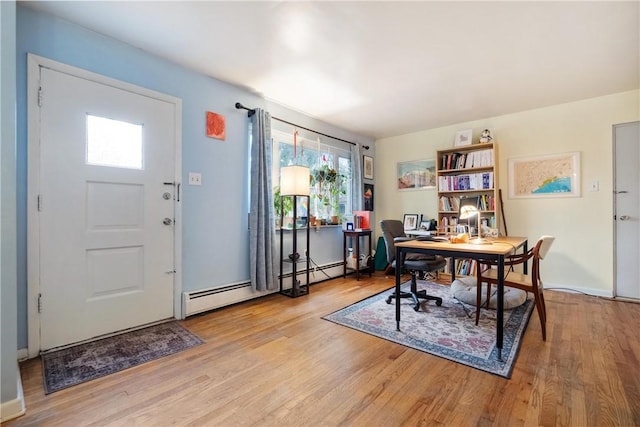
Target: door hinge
39	303
39	203
40	96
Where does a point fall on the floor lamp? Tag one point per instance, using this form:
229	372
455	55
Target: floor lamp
295	181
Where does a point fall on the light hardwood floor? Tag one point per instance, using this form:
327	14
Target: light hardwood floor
274	362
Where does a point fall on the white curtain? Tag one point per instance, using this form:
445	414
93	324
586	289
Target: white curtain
261	215
356	179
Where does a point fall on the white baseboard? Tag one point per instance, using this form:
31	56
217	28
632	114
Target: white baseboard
23	354
578	290
13	408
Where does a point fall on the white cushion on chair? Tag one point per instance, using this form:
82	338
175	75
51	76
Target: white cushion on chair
464	290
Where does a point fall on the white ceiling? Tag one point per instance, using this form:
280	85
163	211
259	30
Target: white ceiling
388	68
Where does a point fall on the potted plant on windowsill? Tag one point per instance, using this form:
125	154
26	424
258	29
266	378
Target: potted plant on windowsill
286	214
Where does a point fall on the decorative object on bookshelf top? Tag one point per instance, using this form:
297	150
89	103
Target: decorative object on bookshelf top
485	137
463	137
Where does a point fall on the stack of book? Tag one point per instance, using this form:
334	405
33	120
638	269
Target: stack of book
474	159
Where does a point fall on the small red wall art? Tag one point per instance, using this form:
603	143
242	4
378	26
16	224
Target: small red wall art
215	125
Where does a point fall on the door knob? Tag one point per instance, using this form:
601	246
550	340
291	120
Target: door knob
624	217
167	221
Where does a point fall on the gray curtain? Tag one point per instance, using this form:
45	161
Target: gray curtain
356	178
261	214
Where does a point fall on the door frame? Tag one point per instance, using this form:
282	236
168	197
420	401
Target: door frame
34	62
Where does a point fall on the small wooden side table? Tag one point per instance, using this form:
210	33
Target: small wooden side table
355	235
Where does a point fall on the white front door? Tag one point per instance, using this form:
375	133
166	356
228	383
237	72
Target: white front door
106	208
627	209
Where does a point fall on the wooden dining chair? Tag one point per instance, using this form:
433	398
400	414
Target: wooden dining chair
526	282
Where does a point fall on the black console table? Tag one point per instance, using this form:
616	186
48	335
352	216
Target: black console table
356	236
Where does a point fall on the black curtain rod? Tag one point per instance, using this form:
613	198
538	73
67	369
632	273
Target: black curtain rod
252	111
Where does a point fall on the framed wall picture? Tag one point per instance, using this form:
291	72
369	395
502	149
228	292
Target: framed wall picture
368	197
552	175
463	137
416	175
215	125
367	167
410	221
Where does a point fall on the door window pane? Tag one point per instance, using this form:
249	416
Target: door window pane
113	143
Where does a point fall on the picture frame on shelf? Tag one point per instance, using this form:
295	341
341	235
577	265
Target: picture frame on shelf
410	221
367	167
551	175
463	138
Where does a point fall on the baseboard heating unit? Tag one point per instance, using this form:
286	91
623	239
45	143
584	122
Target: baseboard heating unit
208	299
195	302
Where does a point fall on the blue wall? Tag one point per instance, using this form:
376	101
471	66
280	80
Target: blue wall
215	236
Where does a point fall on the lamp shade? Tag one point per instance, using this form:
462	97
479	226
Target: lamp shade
294	181
468	211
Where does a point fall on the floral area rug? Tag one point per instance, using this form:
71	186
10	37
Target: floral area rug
448	331
84	362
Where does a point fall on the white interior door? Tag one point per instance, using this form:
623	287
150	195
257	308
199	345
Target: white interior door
627	209
105	213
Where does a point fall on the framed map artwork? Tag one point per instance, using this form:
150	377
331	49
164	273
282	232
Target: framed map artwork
553	175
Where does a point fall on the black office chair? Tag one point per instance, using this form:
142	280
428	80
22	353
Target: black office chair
393	231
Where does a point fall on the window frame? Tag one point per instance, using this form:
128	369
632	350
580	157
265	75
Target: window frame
323	153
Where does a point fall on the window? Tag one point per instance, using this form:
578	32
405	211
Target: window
113	143
330	167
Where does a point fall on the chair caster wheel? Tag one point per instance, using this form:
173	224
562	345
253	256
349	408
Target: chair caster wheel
416	307
388	300
438	303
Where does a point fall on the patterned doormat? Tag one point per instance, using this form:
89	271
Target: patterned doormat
448	331
84	362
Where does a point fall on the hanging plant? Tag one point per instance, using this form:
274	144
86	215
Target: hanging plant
330	185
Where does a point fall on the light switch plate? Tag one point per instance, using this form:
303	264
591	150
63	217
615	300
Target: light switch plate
595	186
195	178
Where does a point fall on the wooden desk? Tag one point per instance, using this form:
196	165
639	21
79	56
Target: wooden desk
355	235
501	247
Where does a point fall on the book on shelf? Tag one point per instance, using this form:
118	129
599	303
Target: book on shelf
467	160
466	267
449	204
361	220
465	182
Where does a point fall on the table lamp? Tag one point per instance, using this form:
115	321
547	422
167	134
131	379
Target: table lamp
467	212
